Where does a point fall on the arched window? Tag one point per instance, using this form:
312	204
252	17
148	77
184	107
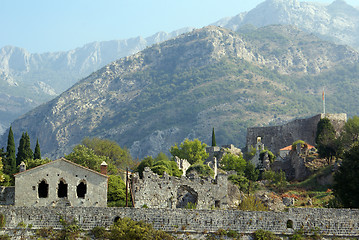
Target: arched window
43	189
62	189
81	190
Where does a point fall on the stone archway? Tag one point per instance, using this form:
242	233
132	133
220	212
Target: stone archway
186	195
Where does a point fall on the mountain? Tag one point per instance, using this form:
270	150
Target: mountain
27	80
338	22
181	88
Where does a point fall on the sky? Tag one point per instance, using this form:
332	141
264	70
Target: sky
61	25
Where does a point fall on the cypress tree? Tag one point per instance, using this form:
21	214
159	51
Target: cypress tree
28	152
37	152
213	139
21	150
10	166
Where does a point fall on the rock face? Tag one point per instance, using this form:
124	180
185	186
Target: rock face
182	88
337	22
48	74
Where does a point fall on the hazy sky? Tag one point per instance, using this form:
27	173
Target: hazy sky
58	25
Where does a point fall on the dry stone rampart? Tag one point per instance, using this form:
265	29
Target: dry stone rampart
154	191
331	222
277	137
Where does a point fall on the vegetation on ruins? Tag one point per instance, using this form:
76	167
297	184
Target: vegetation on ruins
264	235
346	186
251	203
326	140
193	151
159	165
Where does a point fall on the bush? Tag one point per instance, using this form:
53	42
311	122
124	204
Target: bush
264	235
250	203
99	232
202	169
2	220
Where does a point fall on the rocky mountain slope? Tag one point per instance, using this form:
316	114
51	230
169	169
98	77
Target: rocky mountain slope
211	77
27	80
338	21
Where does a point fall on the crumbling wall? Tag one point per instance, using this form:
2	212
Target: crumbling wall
7	195
330	222
154	191
277	137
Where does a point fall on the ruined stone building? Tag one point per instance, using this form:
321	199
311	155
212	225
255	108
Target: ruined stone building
61	183
154	191
277	137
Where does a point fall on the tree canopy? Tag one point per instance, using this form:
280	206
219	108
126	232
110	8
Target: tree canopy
193	151
10	166
120	157
346	185
233	162
327	143
159	165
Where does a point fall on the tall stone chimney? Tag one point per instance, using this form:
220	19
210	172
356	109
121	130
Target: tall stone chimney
104	168
22	167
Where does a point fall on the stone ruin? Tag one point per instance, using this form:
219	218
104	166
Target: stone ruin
153	191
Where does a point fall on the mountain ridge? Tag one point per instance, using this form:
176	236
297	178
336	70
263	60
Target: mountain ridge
231	81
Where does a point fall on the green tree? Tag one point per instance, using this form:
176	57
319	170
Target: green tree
350	134
193	151
87	158
10	167
327	143
146	162
2	175
202	169
233	162
31	163
346	186
120	157
37	152
213	138
159	165
24	150
116	195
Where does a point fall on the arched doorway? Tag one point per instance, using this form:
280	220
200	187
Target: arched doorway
62	189
81	189
43	189
186	196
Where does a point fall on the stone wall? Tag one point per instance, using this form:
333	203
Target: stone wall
277	137
154	191
331	222
7	195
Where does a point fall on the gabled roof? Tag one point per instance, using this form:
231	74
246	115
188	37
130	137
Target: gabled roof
289	148
63	160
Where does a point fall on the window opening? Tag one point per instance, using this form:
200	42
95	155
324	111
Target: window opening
62	189
217	204
43	189
81	190
289	224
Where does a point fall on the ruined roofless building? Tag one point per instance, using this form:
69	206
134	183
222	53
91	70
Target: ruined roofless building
61	183
278	137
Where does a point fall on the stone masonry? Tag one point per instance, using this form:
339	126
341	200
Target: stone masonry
277	137
330	222
170	192
61	183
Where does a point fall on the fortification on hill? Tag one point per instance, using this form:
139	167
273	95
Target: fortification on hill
277	137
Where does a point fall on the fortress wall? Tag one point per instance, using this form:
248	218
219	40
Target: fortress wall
7	195
331	222
277	137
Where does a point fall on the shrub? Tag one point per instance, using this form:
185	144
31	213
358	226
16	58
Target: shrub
250	203
264	235
99	232
2	220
